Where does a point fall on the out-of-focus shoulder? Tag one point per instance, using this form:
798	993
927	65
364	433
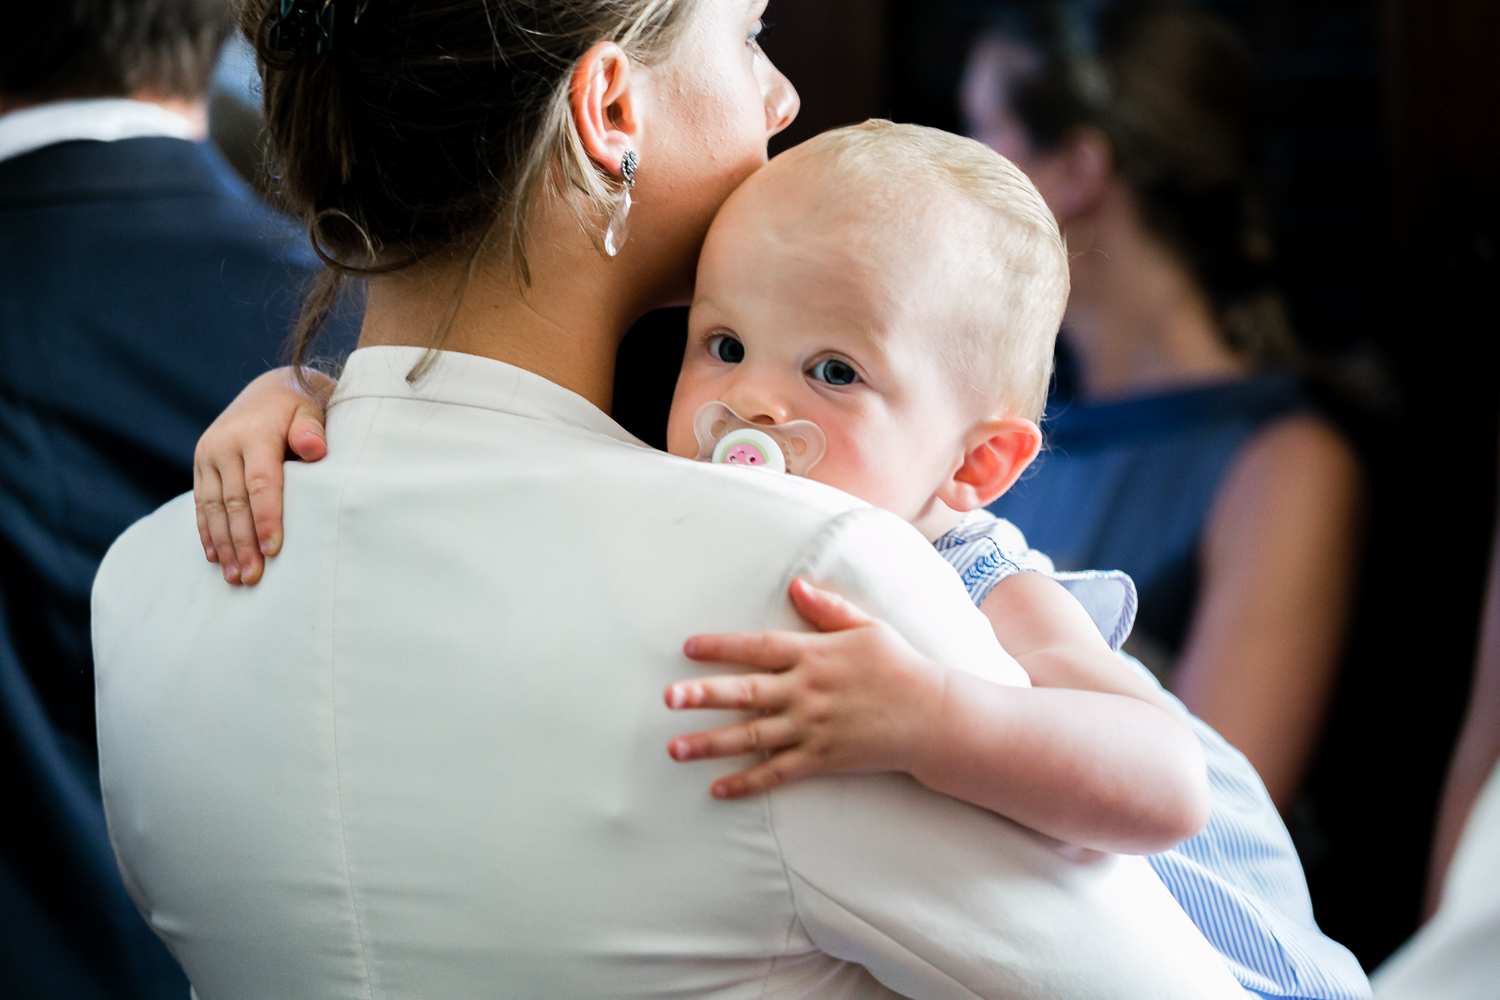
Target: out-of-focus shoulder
1301	446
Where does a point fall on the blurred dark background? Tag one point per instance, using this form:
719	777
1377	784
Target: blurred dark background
1382	124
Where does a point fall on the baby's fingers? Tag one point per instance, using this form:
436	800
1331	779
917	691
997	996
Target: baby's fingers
772	732
307	437
761	650
827	611
742	692
209	500
263	488
789	765
205	537
247	558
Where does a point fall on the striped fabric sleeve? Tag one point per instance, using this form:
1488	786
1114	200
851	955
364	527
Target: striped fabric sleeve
1241	883
985	549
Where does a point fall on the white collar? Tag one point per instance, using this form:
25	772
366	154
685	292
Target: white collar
470	380
103	119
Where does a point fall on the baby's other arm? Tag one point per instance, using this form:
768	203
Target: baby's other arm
237	476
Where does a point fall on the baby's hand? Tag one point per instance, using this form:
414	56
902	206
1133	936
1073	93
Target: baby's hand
857	697
237	468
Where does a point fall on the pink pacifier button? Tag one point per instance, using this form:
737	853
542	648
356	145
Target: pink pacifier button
744	454
750	448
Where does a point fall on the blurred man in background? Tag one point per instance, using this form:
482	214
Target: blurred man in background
141	285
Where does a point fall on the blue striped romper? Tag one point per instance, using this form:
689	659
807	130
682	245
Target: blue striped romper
1239	880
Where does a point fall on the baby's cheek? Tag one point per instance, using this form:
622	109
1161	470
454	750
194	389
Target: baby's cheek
878	475
681	440
847	470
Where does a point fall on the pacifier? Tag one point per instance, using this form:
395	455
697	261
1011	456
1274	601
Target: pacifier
726	438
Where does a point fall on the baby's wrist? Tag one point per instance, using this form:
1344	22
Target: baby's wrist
922	745
969	740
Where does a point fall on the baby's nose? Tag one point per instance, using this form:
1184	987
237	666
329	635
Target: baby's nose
757	408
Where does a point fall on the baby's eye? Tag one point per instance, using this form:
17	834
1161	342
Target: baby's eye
755	29
726	349
834	372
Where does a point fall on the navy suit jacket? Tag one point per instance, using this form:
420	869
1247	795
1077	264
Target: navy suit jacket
142	284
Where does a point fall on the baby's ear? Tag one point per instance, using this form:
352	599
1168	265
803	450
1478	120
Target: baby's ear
997	452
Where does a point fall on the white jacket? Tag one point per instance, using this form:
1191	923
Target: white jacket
425	757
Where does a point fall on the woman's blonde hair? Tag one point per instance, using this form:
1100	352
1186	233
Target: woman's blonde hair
430	126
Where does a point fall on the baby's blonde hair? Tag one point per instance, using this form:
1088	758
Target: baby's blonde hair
1004	352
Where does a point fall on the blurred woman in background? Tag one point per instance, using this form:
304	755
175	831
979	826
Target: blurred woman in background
1190	457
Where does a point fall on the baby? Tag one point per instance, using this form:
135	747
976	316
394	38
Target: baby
901	288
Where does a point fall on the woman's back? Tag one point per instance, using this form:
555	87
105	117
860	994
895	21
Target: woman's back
426	754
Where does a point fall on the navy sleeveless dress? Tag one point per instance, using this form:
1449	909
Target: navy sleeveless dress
1128	485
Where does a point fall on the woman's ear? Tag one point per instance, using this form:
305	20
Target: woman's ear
1078	171
603	105
998	451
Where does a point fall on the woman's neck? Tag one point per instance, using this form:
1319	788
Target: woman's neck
566	326
1137	320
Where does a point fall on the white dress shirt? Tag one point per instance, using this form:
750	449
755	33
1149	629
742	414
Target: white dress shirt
425	757
103	119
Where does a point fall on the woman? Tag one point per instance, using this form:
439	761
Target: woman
1190	458
425	756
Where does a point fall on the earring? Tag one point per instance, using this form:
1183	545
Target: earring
619	226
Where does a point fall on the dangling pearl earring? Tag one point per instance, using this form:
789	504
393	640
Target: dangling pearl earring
619	225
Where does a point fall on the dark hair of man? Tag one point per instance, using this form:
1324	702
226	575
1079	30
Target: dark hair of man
1173	91
61	49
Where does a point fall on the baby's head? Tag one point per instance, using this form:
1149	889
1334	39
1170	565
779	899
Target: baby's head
899	287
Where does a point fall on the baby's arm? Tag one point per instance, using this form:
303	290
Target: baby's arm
1141	767
237	474
1100	767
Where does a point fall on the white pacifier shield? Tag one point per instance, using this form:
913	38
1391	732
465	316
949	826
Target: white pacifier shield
748	446
727	438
